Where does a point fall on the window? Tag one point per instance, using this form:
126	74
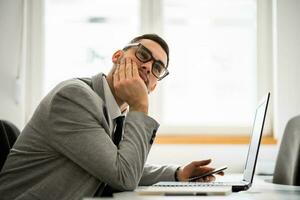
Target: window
81	36
213	84
212	80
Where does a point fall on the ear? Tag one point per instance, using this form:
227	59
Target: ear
116	56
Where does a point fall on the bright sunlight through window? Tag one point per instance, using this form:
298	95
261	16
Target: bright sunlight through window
212	86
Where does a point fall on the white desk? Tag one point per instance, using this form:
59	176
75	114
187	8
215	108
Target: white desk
262	189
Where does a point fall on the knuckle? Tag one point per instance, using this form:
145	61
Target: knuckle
193	163
135	79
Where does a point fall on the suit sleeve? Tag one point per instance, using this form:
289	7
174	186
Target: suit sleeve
154	173
76	131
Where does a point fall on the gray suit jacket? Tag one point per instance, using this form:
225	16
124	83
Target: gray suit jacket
66	151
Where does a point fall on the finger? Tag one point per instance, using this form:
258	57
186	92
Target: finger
134	66
206	179
201	171
122	75
122	61
220	173
129	69
204	169
116	73
210	178
135	71
199	180
201	162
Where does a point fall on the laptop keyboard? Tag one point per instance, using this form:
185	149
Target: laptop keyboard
191	184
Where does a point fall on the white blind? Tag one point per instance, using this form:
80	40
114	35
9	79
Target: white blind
212	83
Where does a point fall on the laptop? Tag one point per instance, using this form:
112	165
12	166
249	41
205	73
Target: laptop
219	188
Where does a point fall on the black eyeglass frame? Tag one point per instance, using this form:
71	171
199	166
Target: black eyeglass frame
139	45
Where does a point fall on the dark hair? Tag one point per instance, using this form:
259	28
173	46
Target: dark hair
155	38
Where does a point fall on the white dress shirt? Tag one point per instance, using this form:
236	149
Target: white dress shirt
112	106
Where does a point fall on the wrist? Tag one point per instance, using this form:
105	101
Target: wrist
176	174
139	108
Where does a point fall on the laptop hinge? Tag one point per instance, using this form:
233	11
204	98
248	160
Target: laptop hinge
246	182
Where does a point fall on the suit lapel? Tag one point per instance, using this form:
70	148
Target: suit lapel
96	84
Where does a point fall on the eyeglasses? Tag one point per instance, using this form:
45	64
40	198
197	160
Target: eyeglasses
144	55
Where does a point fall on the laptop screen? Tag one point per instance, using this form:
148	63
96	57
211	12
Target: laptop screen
257	130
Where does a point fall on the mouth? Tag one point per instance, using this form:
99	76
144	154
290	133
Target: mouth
144	77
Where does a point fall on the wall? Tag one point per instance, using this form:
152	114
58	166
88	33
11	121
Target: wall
11	90
286	62
21	55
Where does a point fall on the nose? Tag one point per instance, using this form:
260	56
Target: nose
147	67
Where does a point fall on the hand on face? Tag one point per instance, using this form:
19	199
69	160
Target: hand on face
129	86
196	168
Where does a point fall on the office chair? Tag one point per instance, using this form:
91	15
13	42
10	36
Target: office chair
287	168
8	135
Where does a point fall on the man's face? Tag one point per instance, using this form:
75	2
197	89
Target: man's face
145	68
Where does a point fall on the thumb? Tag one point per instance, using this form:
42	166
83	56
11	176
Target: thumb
201	162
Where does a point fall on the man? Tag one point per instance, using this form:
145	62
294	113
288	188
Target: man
71	149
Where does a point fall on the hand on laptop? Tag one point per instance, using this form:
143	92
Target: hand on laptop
196	168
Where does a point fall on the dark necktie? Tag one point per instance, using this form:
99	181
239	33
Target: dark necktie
118	131
117	136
